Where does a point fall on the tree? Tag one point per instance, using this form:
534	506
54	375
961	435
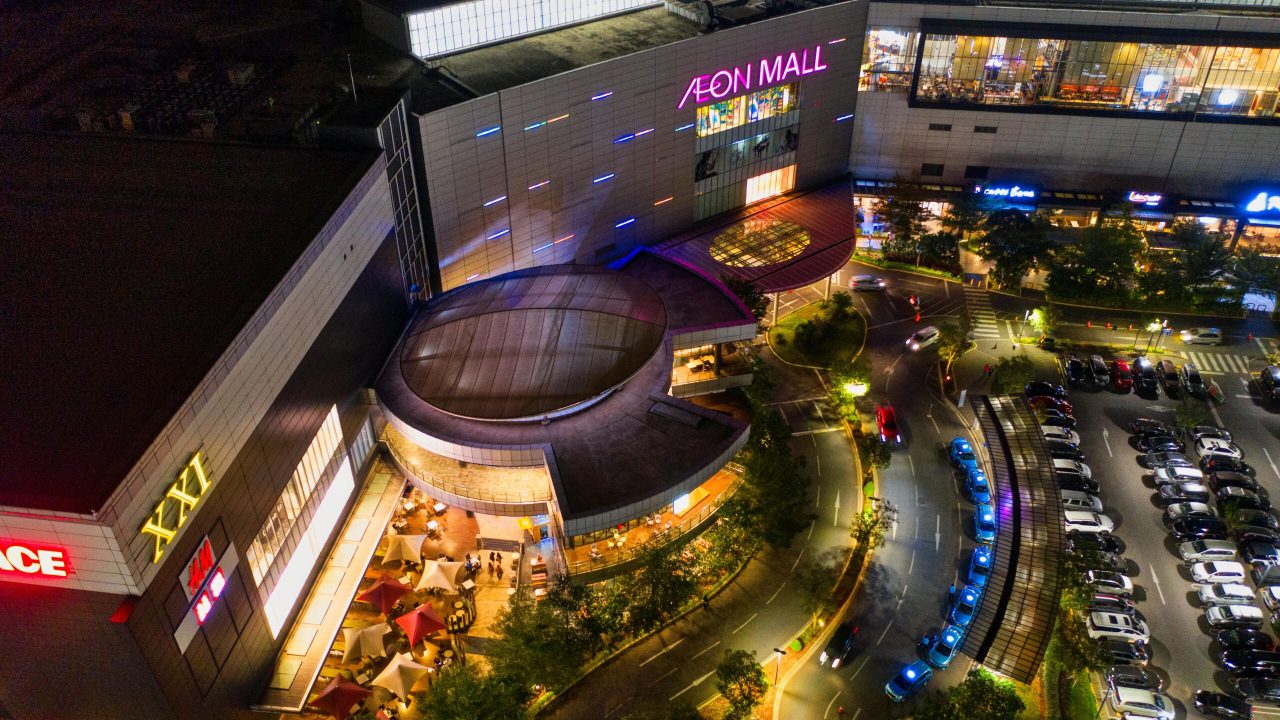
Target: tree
980	695
1255	272
538	643
1013	372
1016	242
1076	650
756	301
1103	264
870	525
965	213
940	250
657	588
904	213
741	680
816	582
953	340
463	693
840	306
1045	318
1202	261
1190	412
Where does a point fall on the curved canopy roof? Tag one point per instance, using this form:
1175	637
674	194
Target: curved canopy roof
532	342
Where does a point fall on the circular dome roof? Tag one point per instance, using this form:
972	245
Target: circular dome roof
532	342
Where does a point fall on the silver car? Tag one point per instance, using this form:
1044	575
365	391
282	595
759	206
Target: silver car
1207	550
866	282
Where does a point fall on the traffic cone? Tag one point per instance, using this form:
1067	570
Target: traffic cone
1088	323
917	317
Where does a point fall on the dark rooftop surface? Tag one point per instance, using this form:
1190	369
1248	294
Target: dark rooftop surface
692	300
532	342
410	6
126	268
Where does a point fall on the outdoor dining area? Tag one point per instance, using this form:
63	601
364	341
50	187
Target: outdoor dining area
403	628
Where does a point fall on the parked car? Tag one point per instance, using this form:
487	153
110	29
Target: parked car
1269	382
1262	662
1101	624
1188	509
1098	368
1244	499
964	605
1132	676
1150	426
1226	463
1082	501
1076	371
980	566
1077	482
1182	492
1225	594
1103	602
1086	521
1233	616
1201	336
1084	542
1038	402
1063	465
977	487
1063	450
1168	475
1259	690
1252	533
1270	597
960	452
1039	387
1167	374
1256	518
984	523
887	424
1144	374
923	338
1244	638
1122	652
859	283
1229	478
1208	446
1213	431
840	646
908	681
1192	383
1121	375
1058	433
1165	459
1206	550
1160	443
1198	528
1218	571
1259	552
941	647
1109	582
1222	705
1137	703
1055	418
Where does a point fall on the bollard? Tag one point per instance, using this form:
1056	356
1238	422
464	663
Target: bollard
1108	326
917	317
1088	323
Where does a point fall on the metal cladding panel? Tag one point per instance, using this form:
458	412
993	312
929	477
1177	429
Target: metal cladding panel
1015	621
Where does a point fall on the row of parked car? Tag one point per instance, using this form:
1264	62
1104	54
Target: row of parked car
939	646
1139	374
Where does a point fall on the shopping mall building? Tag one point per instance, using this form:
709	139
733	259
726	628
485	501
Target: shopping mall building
496	295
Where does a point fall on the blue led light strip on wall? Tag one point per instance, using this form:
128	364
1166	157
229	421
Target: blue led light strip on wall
602	178
624	223
624	138
601	96
496	200
498	234
489	131
682	128
842	118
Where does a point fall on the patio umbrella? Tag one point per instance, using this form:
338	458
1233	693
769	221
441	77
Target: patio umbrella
384	593
364	642
420	622
404	548
436	575
339	696
400	675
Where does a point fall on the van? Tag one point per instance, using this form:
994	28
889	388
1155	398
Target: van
1076	500
1226	594
1168	375
1072	467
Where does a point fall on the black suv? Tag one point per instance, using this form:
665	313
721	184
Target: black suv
1101	373
1077	373
1168	375
840	647
1269	382
1192	382
1144	375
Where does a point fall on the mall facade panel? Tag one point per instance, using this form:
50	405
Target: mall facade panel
1098	101
587	164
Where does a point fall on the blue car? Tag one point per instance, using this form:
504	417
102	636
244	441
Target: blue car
980	566
964	606
941	647
976	485
961	454
909	681
984	523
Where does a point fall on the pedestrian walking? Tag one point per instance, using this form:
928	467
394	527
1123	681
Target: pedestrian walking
499	571
491	571
499	558
490	556
706	601
986	370
951	592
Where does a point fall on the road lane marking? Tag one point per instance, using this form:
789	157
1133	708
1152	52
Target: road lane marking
817	459
1156	580
1271	462
912	463
705	650
857	713
904	592
691	686
664	677
833	702
1246	397
886	631
812	525
797	562
798	433
895	529
911	565
937	533
820	415
753	617
835	518
861	665
1217	418
1106	438
661	652
917	535
775	593
817	496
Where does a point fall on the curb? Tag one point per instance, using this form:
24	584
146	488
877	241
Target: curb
867	261
1113	309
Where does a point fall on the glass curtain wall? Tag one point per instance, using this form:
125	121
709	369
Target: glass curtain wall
888	59
1099	75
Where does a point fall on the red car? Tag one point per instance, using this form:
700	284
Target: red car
1045	402
1121	375
887	422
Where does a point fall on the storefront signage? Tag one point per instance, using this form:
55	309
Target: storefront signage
1013	192
214	575
743	78
183	494
1263	207
24	559
1145	198
197	569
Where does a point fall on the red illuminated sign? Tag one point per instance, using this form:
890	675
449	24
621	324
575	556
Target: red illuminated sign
197	569
27	559
214	591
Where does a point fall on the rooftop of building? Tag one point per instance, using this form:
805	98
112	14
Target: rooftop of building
128	268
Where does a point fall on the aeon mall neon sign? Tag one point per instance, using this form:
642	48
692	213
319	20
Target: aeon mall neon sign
743	78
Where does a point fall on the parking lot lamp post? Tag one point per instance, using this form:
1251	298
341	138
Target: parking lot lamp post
780	652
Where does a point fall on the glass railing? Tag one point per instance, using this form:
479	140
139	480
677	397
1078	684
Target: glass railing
469	492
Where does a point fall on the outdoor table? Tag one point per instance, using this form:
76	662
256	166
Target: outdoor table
468	584
406	579
439	508
432	526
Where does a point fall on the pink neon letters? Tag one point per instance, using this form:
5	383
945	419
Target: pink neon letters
737	80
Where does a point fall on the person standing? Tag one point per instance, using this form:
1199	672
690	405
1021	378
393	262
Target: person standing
499	571
490	556
490	569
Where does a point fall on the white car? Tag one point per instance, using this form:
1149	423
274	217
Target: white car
1235	616
1076	500
1053	432
1138	703
1270	597
1089	522
1072	465
923	338
1170	475
1115	625
1201	336
866	282
1214	446
1226	594
1218	571
1207	550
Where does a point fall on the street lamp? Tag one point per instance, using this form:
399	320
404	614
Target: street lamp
1026	314
1153	327
780	652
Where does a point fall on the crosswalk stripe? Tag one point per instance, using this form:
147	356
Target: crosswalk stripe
1221	363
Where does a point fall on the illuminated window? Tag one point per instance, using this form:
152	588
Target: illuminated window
759	148
888	57
737	111
770	184
469	24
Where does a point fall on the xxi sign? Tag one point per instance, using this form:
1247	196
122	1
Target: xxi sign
183	494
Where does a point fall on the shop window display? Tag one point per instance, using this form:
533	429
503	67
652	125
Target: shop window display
746	151
888	57
737	111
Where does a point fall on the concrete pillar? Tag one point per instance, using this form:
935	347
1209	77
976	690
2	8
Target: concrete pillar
826	293
773	311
